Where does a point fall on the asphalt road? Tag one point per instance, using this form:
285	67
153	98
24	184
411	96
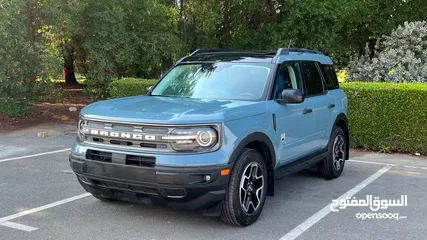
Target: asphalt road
41	199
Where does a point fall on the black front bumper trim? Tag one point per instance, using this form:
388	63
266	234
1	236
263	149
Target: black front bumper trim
183	188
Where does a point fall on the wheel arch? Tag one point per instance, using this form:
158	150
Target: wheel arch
261	142
342	122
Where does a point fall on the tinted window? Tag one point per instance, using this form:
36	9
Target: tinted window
313	79
330	77
289	77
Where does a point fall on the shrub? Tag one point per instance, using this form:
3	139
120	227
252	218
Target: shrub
400	57
388	116
14	108
130	87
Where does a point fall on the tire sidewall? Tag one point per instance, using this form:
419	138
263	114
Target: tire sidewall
243	161
330	159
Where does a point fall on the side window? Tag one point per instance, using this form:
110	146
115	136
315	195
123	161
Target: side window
330	77
289	77
313	79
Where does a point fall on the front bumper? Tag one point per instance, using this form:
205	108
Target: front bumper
176	187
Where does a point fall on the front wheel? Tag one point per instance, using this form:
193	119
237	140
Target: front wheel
247	190
333	165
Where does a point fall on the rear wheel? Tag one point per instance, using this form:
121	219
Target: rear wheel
333	165
247	190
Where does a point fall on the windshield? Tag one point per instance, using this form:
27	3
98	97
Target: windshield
225	80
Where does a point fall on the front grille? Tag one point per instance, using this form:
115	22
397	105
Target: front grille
149	137
127	159
140	161
99	156
124	187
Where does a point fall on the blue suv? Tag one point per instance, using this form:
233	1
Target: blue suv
216	132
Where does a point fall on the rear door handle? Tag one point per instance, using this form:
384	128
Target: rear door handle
307	110
331	105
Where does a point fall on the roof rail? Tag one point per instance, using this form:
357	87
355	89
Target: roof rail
202	51
286	51
205	51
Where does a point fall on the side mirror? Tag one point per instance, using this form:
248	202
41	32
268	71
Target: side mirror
292	96
149	89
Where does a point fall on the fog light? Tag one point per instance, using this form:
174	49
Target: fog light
207	178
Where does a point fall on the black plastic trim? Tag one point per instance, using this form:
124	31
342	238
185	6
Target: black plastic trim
256	136
300	164
343	117
185	188
270	162
274	122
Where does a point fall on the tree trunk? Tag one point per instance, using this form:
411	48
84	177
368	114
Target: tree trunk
70	76
372	43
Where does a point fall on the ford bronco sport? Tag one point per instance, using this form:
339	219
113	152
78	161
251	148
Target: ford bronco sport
215	132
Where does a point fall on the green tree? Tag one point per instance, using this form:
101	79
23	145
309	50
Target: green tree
19	58
115	39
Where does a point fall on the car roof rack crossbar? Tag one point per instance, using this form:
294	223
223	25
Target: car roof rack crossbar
286	51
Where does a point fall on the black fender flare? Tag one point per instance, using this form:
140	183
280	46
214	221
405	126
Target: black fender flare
270	162
256	136
343	118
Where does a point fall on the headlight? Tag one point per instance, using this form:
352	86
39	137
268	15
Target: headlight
193	139
82	130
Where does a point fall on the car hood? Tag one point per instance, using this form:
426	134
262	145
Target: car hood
168	110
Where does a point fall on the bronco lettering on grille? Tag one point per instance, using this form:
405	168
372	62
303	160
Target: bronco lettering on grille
121	135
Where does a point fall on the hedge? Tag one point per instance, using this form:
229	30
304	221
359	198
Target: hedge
388	116
130	87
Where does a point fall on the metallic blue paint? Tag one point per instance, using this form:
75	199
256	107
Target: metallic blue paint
297	129
169	110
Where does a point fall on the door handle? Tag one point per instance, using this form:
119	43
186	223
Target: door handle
307	110
331	105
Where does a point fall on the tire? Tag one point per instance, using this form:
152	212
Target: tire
243	207
333	165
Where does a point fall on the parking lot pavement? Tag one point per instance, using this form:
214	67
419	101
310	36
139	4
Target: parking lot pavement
17	146
41	199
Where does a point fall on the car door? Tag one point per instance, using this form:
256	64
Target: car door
316	90
294	122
